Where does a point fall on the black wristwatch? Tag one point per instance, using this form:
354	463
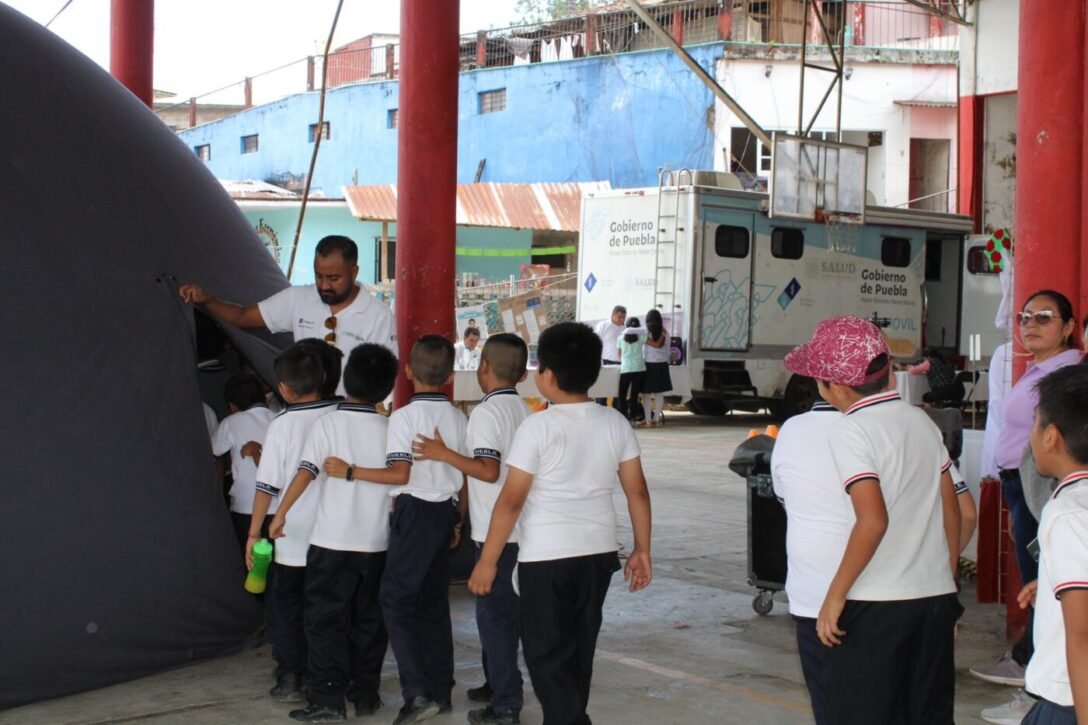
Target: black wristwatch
351	473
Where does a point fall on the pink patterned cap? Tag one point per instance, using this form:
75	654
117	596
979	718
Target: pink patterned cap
840	351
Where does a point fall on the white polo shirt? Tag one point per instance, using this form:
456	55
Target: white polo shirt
351	515
465	359
234	432
819	516
280	457
609	332
429	480
1063	566
883	437
491	428
300	311
573	451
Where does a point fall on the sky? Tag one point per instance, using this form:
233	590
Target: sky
203	45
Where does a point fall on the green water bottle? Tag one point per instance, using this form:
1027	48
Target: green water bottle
258	575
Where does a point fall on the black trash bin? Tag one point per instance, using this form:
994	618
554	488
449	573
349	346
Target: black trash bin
766	522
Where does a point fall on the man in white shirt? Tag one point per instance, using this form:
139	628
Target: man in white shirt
466	354
336	307
609	331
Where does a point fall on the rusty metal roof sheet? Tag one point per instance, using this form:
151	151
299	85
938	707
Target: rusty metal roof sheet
920	103
541	206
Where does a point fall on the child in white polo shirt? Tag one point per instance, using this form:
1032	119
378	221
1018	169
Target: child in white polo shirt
425	520
890	609
1058	671
563	466
248	421
491	429
820	518
300	375
345	632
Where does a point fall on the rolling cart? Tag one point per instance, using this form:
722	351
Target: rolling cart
766	522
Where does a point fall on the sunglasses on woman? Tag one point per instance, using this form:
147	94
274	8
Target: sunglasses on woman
1041	318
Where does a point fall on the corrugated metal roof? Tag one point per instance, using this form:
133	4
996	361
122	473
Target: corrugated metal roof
543	206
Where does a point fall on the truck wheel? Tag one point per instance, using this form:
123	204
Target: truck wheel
801	395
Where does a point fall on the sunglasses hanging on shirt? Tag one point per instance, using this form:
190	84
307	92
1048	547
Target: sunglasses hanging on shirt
330	324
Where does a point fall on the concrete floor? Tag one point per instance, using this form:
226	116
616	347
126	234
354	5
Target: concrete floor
689	649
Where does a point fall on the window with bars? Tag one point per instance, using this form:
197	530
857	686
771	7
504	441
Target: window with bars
493	101
326	131
250	144
203	152
392	118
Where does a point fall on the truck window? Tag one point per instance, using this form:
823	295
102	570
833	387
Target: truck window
787	243
895	252
977	262
731	242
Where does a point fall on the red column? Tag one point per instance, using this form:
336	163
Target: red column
132	36
1050	163
678	25
1049	160
426	174
972	114
725	22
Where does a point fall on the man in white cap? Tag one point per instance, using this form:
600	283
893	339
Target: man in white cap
890	610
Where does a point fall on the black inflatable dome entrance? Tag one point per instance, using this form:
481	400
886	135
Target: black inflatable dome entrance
116	552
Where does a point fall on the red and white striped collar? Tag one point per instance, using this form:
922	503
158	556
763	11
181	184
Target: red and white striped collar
1071	480
872	400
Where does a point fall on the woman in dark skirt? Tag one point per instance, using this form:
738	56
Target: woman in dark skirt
657	381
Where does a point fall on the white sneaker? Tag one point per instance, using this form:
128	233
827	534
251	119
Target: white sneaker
1011	713
1004	671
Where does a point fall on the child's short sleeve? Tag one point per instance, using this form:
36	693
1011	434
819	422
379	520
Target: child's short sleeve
278	311
525	449
270	477
398	441
852	453
629	447
316	449
221	439
484	437
1065	552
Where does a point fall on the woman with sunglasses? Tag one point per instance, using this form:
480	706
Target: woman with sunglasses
1046	326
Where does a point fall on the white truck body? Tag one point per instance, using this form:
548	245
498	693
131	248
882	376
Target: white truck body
741	289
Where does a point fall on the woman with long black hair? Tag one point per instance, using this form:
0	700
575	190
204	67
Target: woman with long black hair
657	381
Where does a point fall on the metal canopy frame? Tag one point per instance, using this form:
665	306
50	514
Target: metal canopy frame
814	9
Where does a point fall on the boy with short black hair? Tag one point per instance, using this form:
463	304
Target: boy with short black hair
332	362
344	564
248	421
425	520
300	374
563	465
491	428
890	610
1058	671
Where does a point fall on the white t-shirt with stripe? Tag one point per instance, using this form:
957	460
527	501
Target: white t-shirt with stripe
429	480
1063	566
351	515
282	451
883	437
491	428
233	433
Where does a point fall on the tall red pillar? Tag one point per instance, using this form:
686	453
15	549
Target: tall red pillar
426	174
970	147
1049	160
132	45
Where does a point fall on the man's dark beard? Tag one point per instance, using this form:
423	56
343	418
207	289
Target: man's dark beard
331	298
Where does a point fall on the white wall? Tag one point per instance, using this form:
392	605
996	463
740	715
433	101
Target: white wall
868	105
999	163
996	47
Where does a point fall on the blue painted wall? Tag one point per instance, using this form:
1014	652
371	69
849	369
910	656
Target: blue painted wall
325	219
614	118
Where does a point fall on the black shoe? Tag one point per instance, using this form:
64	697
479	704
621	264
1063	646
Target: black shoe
367	705
319	713
287	689
480	694
488	716
417	709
